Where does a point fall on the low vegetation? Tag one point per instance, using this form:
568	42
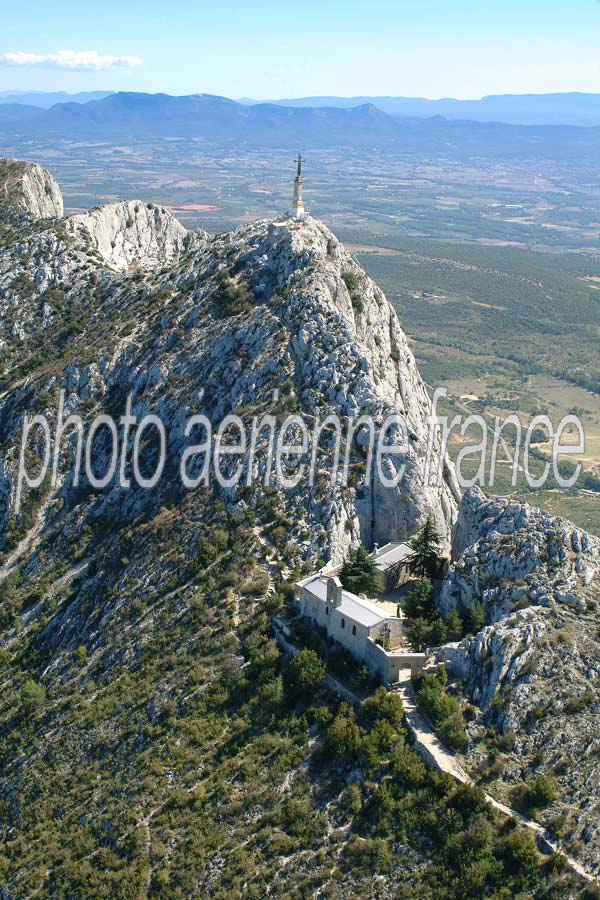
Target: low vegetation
352	283
535	794
443	710
232	297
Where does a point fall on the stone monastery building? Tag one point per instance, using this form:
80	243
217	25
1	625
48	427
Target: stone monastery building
364	627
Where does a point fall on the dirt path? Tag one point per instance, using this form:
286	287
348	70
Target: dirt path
426	740
24	544
432	750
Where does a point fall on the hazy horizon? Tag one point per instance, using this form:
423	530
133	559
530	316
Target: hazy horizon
277	99
406	49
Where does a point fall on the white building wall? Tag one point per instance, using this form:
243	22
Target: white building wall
351	635
360	644
342	629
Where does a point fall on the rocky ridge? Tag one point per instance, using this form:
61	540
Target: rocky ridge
230	323
28	192
509	553
534	670
300	333
134	235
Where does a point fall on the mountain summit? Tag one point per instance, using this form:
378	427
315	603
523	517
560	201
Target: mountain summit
155	742
124	302
120	607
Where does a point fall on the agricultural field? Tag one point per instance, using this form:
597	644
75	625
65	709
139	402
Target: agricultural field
506	332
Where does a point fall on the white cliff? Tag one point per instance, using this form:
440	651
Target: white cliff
352	358
28	192
133	235
509	554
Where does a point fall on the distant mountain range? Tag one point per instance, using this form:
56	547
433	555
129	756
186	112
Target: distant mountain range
131	117
577	109
47	99
515	109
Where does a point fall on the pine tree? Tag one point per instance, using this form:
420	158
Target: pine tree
455	626
420	603
426	545
359	574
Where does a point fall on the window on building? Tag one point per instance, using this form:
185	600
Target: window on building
326	610
343	623
354	629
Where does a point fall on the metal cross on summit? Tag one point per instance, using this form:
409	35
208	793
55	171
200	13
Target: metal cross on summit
297	210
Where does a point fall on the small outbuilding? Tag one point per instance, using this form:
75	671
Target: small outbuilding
392	563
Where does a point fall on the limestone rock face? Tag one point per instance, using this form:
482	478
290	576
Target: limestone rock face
132	234
351	358
534	670
312	327
28	192
508	553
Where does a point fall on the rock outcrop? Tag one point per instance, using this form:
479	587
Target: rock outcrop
133	235
306	322
351	358
534	670
28	192
509	554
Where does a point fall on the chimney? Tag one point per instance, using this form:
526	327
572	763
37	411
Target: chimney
334	591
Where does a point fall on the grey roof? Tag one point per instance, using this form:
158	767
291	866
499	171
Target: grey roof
391	554
354	608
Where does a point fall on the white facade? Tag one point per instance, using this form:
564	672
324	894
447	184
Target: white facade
357	624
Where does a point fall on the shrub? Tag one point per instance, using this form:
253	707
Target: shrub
305	672
382	705
353	285
33	696
521	858
373	854
344	738
350	280
541	791
232	298
255	587
443	710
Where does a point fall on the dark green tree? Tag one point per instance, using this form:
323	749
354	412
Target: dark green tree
454	625
427	628
474	619
426	562
521	858
305	672
419	603
359	574
419	634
